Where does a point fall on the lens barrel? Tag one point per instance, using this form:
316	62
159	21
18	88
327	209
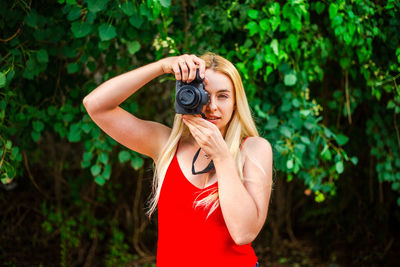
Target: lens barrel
188	97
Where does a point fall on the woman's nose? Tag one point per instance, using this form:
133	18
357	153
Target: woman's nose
211	104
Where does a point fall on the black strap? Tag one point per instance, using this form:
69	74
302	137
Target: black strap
210	166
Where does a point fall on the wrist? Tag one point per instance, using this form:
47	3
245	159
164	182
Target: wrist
165	65
222	155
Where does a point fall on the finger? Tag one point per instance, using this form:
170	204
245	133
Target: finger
201	125
199	120
188	116
193	129
192	68
177	72
201	64
182	65
206	81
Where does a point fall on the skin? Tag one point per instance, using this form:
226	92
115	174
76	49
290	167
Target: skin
244	205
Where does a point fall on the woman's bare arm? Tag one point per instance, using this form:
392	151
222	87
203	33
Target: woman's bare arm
102	104
245	205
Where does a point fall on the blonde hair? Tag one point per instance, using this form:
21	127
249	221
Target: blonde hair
241	125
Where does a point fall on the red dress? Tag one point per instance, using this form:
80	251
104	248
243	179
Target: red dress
185	237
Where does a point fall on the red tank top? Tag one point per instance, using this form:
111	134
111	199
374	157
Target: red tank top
185	237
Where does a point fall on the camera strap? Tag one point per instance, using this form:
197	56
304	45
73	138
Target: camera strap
209	168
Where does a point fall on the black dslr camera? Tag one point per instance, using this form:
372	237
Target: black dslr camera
190	97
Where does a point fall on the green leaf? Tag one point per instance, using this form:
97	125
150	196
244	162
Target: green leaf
74	13
103	158
72	68
133	47
85	164
285	131
15	154
295	103
305	140
165	3
136	21
80	29
345	62
339	167
68	117
86	127
91	17
146	11
341	139
10	75
398	201
333	10
95	170
2	80
253	27
87	156
96	5
326	153
74	134
272	123
319	197
42	56
38	126
252	13
354	160
328	133
274	45
107	171
99	180
137	163
319	7
35	136
289	164
32	18
14	151
274	9
128	8
395	186
124	156
8	144
107	32
290	79
264	24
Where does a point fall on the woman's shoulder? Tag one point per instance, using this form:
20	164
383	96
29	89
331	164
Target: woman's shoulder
258	146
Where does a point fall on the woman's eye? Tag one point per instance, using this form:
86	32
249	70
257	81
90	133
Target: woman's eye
223	96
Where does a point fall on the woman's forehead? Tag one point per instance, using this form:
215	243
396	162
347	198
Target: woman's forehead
218	82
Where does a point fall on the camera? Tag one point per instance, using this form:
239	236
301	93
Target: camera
190	97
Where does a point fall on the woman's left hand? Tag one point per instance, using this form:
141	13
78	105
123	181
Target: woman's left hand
207	135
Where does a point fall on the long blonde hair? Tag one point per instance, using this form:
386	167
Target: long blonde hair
241	125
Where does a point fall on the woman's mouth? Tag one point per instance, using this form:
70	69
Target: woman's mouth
212	119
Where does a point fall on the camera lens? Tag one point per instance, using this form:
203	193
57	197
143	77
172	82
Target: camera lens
187	97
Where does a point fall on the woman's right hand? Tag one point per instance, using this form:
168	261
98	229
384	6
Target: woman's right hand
184	67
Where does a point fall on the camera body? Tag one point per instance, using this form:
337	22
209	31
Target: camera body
191	97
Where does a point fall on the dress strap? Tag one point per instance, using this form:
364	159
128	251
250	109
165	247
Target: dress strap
244	140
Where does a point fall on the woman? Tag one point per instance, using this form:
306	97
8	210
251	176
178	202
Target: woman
207	219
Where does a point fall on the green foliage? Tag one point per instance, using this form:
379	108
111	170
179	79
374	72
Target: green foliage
118	250
308	67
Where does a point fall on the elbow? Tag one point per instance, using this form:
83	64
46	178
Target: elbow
88	105
243	239
85	102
